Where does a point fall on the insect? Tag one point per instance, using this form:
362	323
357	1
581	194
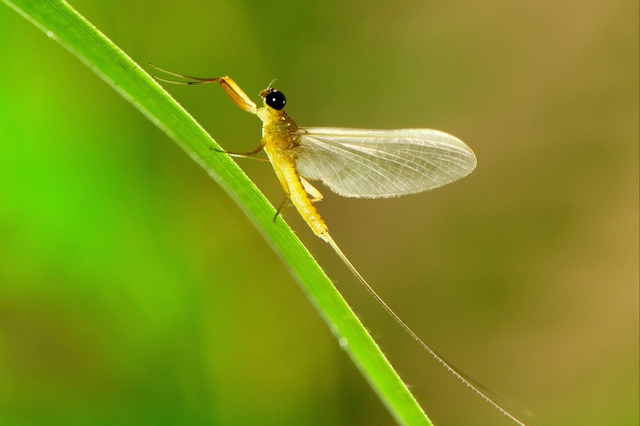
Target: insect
357	163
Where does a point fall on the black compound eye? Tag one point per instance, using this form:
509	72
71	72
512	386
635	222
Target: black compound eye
275	99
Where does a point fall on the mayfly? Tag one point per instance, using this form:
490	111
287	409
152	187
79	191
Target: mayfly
360	163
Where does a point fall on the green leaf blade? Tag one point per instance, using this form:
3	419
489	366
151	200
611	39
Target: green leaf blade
63	24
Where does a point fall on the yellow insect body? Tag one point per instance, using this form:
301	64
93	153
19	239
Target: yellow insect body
279	138
353	163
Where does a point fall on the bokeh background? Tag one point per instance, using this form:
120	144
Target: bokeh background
133	291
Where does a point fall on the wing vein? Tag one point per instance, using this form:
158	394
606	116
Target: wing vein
382	163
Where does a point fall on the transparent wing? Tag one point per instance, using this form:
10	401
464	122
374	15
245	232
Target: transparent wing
382	163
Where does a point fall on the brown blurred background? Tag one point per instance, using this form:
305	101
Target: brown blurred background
133	291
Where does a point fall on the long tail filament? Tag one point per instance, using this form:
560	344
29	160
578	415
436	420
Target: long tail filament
459	375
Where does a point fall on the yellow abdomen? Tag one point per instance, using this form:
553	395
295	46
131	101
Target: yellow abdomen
285	167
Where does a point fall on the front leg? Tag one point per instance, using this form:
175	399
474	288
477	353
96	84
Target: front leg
229	86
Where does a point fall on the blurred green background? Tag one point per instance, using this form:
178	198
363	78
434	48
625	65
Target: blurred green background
133	291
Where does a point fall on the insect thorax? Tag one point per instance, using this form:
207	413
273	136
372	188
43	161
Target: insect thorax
278	129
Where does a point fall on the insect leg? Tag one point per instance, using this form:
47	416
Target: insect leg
311	190
251	154
237	95
229	86
285	203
